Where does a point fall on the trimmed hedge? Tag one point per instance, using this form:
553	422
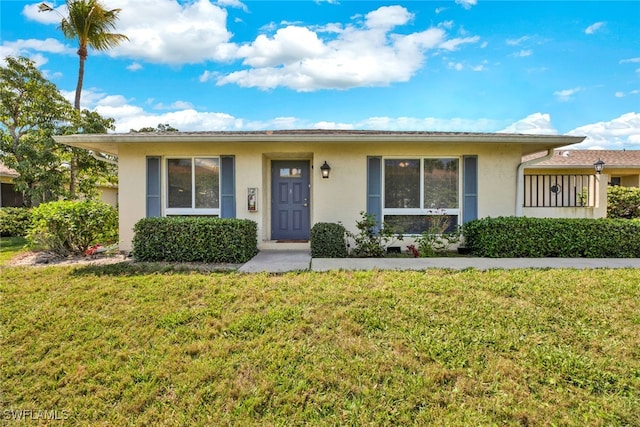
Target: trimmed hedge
623	202
71	227
195	239
14	221
513	237
328	240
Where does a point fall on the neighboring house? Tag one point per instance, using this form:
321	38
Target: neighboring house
276	177
9	197
621	166
565	183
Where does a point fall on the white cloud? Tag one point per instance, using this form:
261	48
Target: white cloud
467	4
233	3
518	41
439	10
536	123
164	31
566	94
177	105
338	57
454	43
621	132
593	28
34	49
135	66
630	60
455	66
619	94
365	52
523	53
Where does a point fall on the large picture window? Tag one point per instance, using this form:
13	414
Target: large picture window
193	186
416	190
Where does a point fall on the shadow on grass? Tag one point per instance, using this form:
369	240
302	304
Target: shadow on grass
127	268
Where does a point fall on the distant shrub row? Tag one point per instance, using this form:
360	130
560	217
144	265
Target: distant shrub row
195	239
517	237
14	221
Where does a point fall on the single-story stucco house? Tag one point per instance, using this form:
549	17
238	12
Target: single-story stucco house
286	181
622	166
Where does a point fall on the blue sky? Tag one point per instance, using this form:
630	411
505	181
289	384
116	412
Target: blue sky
544	67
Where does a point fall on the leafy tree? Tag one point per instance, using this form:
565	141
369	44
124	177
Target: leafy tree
93	168
30	109
161	128
90	23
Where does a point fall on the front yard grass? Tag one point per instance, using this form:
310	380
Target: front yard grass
10	247
111	346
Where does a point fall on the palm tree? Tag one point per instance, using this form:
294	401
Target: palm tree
91	24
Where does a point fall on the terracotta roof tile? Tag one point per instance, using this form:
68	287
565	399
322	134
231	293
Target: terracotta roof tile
5	171
589	157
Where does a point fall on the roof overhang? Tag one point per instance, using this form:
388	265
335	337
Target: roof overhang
109	143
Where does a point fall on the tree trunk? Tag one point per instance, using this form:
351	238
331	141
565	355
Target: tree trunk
73	166
82	53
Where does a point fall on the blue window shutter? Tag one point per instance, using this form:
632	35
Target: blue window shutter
470	188
227	187
154	207
374	188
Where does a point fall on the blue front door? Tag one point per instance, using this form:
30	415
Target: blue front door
290	200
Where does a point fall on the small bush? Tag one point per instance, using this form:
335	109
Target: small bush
512	237
623	202
436	240
71	227
328	240
195	239
371	241
14	222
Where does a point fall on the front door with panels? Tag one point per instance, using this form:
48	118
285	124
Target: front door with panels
290	213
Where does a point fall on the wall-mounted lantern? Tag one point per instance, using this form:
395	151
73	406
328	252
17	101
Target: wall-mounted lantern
325	169
599	165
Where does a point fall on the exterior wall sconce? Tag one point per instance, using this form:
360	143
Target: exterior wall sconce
599	165
325	169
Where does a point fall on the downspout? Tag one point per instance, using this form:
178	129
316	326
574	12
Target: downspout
103	159
520	179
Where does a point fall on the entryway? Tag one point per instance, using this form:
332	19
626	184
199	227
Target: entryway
290	200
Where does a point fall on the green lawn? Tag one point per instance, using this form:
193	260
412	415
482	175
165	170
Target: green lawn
115	346
10	247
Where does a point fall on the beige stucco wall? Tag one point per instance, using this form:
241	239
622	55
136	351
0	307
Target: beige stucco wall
340	198
109	195
599	210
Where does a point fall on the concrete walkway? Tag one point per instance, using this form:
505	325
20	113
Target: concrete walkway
280	261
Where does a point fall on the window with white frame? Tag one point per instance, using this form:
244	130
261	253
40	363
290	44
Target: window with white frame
418	192
193	186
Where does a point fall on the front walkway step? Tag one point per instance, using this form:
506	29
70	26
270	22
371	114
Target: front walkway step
280	261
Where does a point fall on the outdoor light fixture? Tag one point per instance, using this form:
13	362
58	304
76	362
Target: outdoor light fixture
325	169
599	165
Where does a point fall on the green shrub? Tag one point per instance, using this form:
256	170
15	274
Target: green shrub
14	221
371	240
623	202
506	237
328	240
71	227
195	239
